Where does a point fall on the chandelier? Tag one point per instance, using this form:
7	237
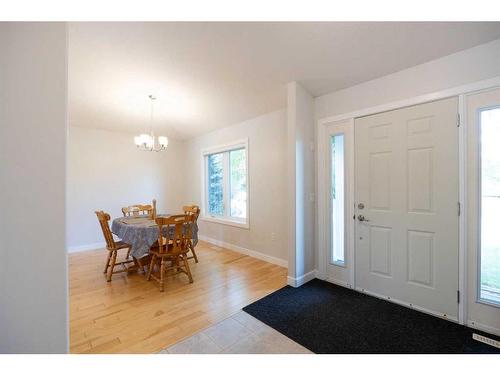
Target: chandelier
148	142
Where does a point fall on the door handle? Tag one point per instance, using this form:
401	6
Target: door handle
362	218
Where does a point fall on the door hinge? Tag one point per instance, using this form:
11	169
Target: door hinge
459	208
458	296
458	119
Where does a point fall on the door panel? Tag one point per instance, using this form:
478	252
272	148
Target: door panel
421	257
407	179
420	194
380	250
380	178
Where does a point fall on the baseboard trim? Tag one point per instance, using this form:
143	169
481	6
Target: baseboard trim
301	280
242	250
92	246
483	327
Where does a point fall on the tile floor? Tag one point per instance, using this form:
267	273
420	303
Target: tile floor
238	334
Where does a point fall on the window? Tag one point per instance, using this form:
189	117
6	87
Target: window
226	184
337	250
238	183
490	206
215	184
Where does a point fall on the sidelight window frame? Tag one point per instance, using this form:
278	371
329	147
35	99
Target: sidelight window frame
479	275
344	194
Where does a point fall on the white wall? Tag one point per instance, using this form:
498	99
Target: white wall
33	281
107	172
267	184
301	183
475	64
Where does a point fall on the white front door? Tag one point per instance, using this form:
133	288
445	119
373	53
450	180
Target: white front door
483	258
406	198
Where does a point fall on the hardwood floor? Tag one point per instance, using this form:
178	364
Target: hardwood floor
130	315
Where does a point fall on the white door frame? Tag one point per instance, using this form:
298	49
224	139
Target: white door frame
461	92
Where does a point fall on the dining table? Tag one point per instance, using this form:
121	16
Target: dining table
141	232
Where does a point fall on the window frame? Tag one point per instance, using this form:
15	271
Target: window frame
332	135
226	181
479	161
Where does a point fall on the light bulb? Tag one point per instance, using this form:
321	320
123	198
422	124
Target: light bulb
163	141
144	139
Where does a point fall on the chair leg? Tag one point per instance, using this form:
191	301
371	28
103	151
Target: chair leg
107	262
151	265
162	275
177	264
140	265
128	252
136	264
112	265
186	264
194	253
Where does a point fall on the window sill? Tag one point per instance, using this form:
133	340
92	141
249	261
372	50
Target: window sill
489	302
233	223
338	264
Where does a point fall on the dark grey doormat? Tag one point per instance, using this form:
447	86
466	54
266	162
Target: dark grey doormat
327	318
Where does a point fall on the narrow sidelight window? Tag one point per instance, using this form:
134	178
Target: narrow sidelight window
490	206
337	204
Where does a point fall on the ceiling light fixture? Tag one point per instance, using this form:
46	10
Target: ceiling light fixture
147	142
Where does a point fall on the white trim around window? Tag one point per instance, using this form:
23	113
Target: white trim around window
226	218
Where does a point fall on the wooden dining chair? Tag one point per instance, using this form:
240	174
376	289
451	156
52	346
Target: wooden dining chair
112	246
193	211
140	209
167	253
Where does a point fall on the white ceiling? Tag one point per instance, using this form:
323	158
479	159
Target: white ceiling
211	75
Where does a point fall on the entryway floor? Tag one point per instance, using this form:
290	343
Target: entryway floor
239	334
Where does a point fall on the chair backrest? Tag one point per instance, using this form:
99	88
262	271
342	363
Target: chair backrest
140	209
182	233
104	218
193	210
